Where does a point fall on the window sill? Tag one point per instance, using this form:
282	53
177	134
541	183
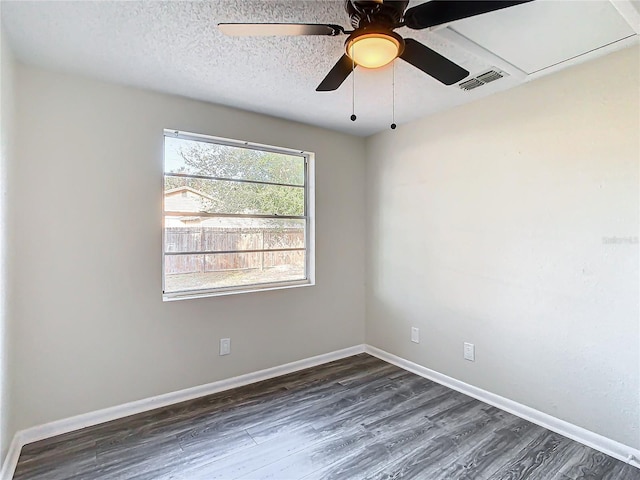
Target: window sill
171	297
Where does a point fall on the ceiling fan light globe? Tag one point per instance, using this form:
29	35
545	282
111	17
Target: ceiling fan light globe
373	50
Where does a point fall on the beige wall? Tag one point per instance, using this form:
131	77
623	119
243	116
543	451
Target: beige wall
490	223
86	234
6	154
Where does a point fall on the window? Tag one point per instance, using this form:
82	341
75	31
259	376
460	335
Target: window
237	216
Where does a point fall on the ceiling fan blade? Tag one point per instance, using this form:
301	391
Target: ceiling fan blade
337	75
432	63
272	29
437	12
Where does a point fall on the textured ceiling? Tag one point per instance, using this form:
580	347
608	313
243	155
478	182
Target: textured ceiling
175	47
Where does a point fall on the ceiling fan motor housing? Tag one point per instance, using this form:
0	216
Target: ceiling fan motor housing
367	12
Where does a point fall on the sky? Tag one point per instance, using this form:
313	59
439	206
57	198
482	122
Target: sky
172	159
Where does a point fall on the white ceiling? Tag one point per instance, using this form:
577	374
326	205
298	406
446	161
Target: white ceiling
175	47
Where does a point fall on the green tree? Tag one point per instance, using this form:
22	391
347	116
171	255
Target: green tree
227	162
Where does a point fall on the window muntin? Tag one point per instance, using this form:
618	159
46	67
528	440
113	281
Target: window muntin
236	217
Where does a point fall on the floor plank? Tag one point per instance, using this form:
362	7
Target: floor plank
355	418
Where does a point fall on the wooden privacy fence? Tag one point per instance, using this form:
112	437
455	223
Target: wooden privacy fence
219	239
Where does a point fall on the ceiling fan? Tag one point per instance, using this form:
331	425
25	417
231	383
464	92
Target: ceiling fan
373	43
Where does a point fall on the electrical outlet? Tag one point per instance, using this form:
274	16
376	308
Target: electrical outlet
225	346
415	334
469	352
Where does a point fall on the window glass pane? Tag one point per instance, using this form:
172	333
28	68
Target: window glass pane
202	158
208	271
222	196
196	234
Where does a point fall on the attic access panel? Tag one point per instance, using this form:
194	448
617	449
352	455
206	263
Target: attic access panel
537	35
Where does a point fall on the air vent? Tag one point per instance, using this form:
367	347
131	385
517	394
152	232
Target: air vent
482	79
471	84
490	76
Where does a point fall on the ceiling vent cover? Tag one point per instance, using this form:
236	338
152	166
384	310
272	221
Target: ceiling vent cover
482	79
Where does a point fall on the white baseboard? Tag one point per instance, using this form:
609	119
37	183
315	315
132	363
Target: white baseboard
66	425
11	460
586	437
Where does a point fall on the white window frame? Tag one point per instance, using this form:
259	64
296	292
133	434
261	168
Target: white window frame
309	217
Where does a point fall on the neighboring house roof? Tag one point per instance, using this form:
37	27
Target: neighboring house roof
186	199
188	189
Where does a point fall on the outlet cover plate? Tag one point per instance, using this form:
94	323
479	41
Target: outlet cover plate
415	334
469	352
225	346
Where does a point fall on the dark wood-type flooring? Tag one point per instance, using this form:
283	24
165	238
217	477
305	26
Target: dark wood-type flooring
356	418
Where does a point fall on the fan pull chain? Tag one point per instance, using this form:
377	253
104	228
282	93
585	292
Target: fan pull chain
353	87
393	99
